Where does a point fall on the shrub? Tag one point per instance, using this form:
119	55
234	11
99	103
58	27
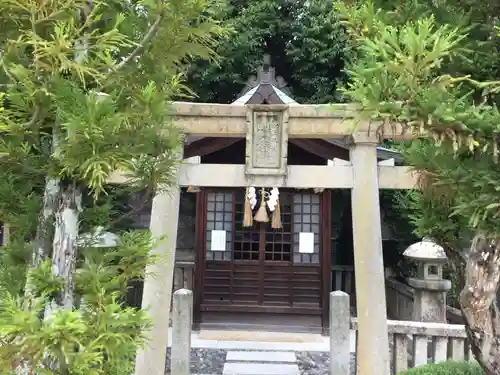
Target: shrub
446	368
99	337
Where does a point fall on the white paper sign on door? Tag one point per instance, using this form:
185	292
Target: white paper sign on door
218	240
306	242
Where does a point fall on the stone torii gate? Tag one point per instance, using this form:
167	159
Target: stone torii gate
267	129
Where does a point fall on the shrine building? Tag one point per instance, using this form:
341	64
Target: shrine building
277	204
257	275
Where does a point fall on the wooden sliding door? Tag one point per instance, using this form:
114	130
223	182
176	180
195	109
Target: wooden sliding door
261	269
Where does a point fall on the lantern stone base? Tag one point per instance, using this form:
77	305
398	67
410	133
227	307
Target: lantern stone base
430	299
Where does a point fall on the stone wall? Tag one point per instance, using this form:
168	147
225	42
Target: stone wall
400	297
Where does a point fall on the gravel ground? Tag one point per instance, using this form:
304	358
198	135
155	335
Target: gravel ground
204	361
314	363
211	361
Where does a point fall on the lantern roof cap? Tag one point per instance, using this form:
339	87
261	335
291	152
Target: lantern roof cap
424	250
98	238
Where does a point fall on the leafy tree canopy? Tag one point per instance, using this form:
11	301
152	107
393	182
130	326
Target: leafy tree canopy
304	38
85	89
413	67
415	70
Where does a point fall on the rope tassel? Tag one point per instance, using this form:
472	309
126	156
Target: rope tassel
274	206
247	213
261	216
276	219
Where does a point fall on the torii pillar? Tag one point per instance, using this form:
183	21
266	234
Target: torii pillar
158	280
372	354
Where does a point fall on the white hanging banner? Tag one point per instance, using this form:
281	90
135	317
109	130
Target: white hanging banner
218	240
306	242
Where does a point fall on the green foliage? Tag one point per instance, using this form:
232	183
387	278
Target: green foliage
20	200
43	282
54	67
446	368
480	23
415	69
113	269
101	337
13	260
415	75
398	224
85	91
399	79
430	211
305	41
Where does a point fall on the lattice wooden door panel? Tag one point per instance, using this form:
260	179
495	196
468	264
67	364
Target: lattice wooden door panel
246	240
219	217
306	218
260	242
262	267
278	242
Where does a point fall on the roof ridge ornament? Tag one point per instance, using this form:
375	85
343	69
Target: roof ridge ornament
266	74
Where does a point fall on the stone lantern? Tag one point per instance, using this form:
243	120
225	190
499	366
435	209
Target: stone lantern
430	287
99	238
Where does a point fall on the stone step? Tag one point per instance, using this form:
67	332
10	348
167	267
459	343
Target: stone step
245	368
259	356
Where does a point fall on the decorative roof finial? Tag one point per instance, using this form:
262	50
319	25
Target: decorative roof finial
266	62
265	76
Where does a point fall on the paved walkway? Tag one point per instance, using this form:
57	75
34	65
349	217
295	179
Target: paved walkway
250	340
261	363
259	353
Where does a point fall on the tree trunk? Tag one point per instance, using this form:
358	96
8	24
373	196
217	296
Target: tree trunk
64	249
44	229
478	302
42	243
43	238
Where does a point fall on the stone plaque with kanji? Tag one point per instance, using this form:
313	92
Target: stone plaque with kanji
267	140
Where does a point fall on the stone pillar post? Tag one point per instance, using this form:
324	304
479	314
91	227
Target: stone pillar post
158	283
182	318
372	344
6	234
340	329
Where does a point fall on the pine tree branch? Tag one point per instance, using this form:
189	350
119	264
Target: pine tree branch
23	166
153	30
35	117
54	15
147	197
